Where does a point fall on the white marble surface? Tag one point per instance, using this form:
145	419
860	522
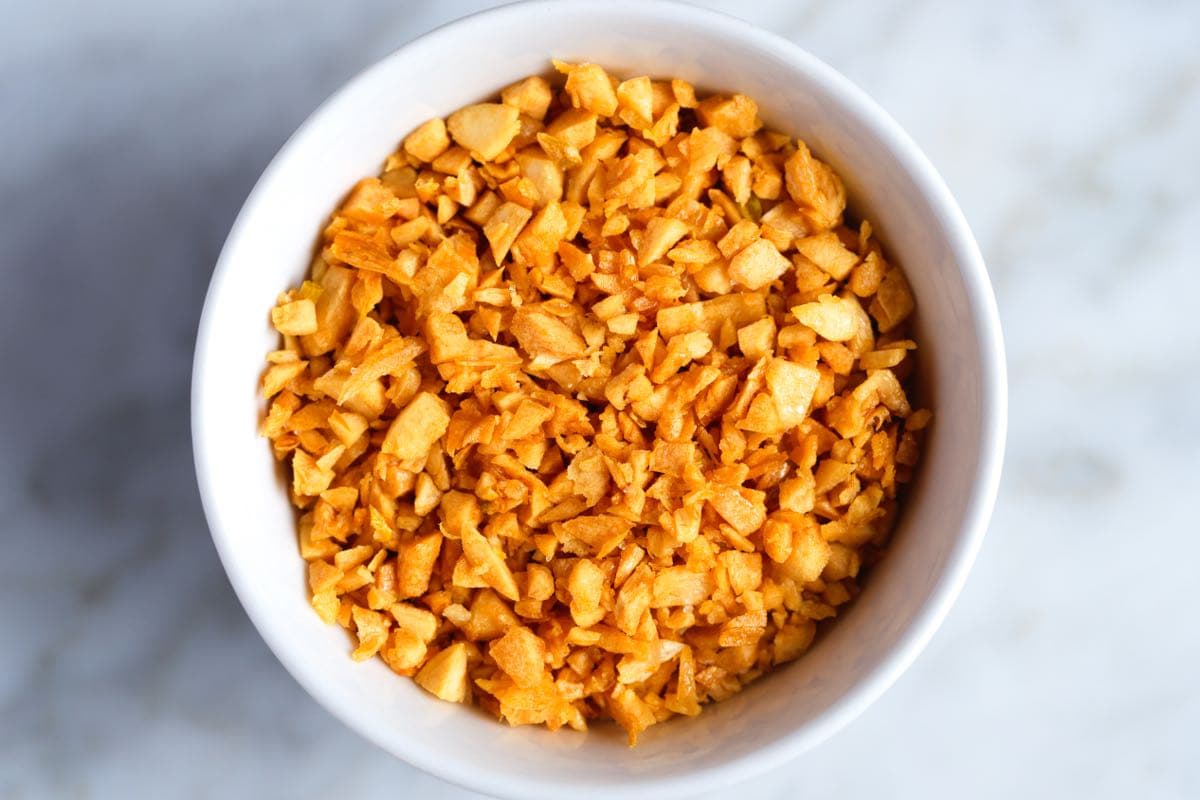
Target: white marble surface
131	133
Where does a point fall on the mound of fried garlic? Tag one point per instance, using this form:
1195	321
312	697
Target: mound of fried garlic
593	404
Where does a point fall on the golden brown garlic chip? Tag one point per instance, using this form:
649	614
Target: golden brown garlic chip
593	402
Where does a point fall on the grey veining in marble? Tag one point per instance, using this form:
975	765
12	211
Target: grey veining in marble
132	132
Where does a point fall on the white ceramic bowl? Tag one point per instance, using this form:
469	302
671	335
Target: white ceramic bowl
889	180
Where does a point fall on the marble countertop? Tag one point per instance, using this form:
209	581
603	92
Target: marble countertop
131	134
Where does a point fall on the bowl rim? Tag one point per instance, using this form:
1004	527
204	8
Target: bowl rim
925	622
